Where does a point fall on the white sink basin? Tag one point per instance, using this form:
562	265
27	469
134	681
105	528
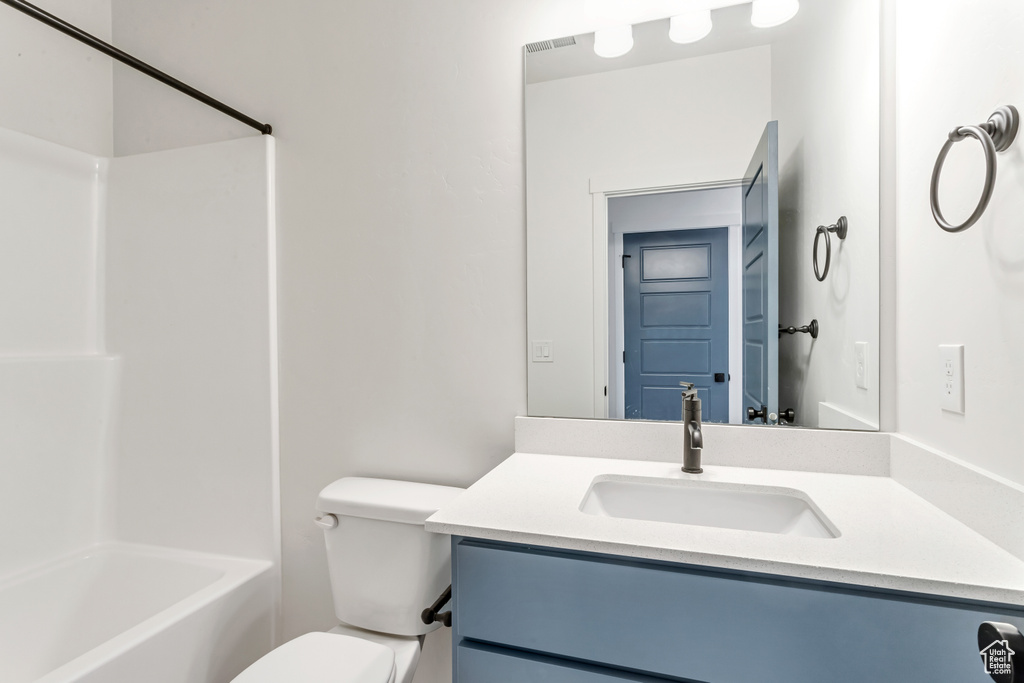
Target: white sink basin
769	509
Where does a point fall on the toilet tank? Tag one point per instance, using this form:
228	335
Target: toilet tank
385	567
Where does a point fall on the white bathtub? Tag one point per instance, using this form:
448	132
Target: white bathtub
121	613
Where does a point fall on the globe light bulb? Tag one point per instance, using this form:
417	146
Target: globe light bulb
614	41
689	27
768	13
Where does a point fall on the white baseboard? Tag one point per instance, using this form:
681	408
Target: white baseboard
831	416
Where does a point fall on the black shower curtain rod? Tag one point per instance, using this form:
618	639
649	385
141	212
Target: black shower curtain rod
125	58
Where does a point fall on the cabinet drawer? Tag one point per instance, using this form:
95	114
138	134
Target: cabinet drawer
483	664
674	620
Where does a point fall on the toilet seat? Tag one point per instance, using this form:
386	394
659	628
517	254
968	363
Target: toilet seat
323	658
406	648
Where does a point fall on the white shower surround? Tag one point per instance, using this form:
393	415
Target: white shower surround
138	434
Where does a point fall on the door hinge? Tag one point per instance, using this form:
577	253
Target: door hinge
624	257
606	391
623	356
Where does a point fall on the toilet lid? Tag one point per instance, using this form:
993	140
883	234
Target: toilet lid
323	658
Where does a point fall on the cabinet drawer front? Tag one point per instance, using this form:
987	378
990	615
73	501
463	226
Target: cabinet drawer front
482	664
679	621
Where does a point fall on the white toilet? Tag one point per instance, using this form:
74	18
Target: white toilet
385	570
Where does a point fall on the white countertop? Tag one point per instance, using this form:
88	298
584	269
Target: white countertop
890	538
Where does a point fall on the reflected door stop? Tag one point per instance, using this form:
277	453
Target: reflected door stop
811	329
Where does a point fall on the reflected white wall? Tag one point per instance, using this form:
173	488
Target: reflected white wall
687	121
825	95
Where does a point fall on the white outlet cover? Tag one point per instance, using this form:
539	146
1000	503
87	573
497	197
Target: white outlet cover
951	377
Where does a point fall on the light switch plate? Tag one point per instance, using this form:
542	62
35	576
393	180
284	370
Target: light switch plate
860	352
543	352
951	371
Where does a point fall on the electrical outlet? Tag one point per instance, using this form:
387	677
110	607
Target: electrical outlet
952	376
860	352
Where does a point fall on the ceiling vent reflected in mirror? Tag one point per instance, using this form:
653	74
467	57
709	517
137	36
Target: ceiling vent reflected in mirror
543	45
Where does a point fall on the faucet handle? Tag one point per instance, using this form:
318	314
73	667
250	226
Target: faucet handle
690	389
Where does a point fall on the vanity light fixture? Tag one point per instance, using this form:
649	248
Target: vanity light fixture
689	27
690	20
613	41
768	13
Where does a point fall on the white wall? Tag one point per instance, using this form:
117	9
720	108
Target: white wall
56	88
955	66
642	119
190	303
400	131
825	95
401	208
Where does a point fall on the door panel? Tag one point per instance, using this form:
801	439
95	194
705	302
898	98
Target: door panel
678	357
676	306
761	276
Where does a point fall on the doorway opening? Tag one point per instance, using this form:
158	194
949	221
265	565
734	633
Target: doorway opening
675	305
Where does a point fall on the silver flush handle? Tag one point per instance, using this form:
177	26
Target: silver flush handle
326	521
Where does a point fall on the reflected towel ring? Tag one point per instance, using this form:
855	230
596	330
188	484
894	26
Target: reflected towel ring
995	135
840	228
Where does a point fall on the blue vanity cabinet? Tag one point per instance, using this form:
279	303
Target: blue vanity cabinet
529	613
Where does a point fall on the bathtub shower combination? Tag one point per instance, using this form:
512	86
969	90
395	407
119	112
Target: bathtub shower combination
139	513
138	422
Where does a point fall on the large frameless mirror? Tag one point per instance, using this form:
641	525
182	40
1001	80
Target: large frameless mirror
707	213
